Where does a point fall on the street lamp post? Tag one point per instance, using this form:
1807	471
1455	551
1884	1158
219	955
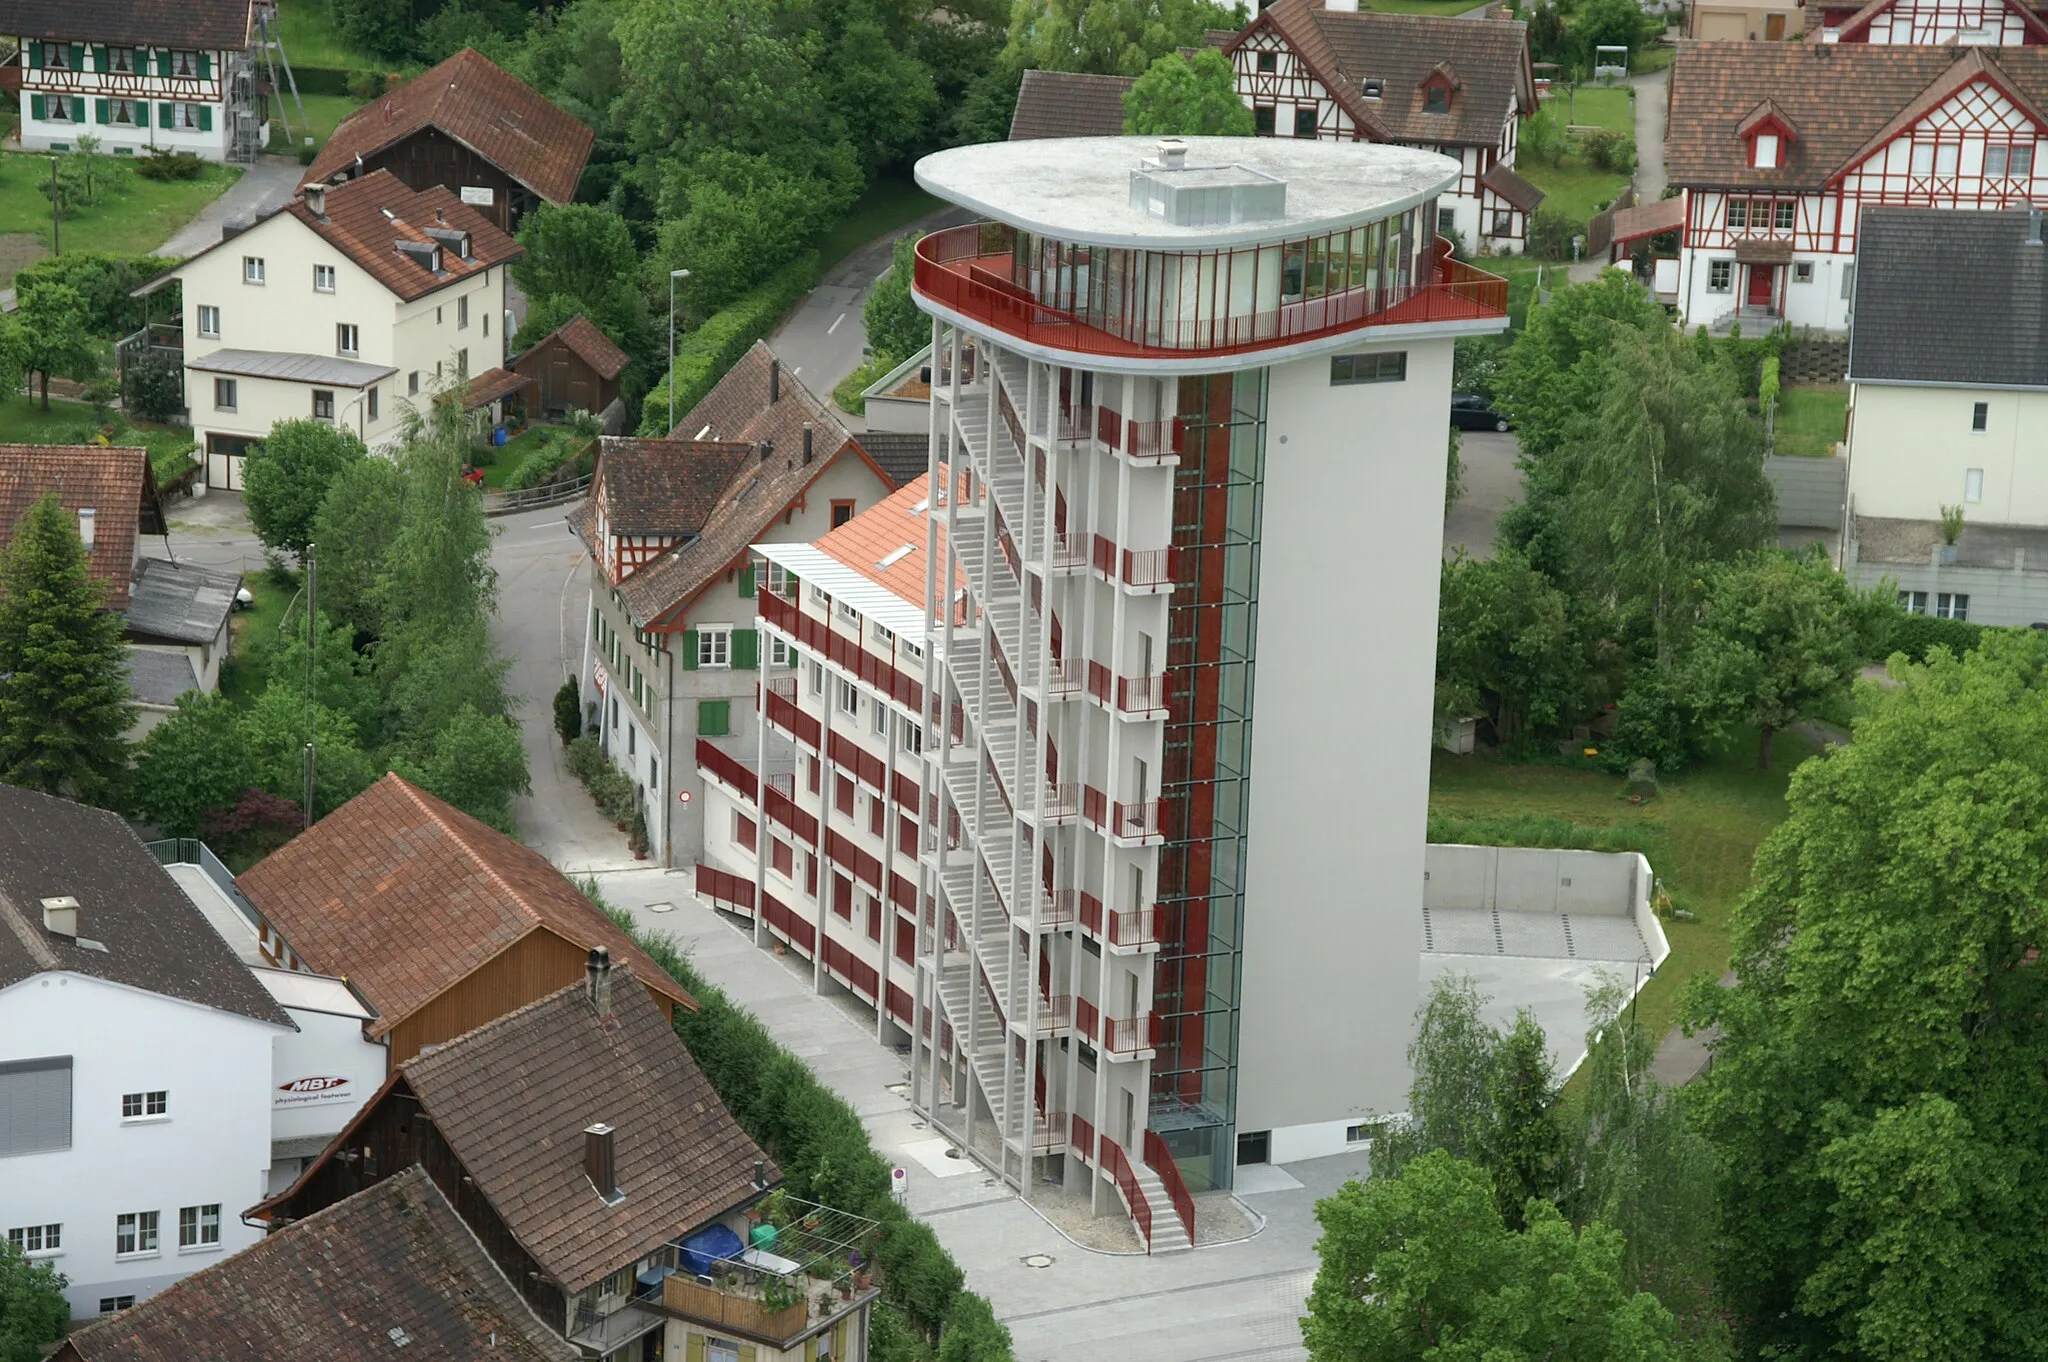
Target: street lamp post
673	275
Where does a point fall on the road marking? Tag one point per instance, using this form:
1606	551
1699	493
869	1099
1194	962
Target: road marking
793	373
563	619
835	323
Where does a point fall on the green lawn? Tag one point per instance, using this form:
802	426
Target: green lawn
1573	187
1703	830
513	454
134	217
313	38
254	631
1809	421
1597	106
323	114
887	205
23	421
1521	273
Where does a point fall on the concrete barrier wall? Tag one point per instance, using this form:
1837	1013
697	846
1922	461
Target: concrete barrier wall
1544	880
1811	492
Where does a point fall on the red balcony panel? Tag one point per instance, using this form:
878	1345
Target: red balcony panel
1150	441
1098	681
782	856
782	809
899	1004
865	765
1088	1020
1160	1160
793	928
785	715
1108	426
1134	927
902	893
1091	913
722	886
1128	1035
1102	556
726	769
1137	822
1118	1165
743	831
905	789
844	853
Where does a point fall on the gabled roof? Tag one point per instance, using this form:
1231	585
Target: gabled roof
663	487
116	484
393	1262
739	410
1846	100
482	106
1487	60
366	218
872	544
405	896
154	938
583	340
1503	181
903	455
1766	114
180	602
1860	20
208	24
513	1098
1949	298
1069	104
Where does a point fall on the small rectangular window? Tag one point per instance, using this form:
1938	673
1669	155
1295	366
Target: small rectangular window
139	1105
714	647
1269	62
1720	276
849	698
1784	214
1980	416
1374	89
223	394
1849	280
35	1239
323	405
370	404
1382	366
2020	163
112	1305
323	278
348	340
1436	99
412	384
1947	157
135	1232
1262	121
1913	602
36	1095
252	269
462	312
1738	215
209	322
1973	484
1305	123
1766	151
882	721
1446	221
1952	605
199	1226
1802	271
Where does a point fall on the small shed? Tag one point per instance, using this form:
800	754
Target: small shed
572	367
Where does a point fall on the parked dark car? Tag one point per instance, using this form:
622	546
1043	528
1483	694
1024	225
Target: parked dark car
1469	411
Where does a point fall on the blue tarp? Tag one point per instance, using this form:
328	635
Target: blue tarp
707	1246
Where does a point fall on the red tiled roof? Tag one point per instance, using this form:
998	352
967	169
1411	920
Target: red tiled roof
492	384
479	104
366	218
405	896
392	1262
664	487
588	344
865	542
113	482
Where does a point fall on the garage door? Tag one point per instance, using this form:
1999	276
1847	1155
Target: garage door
1723	24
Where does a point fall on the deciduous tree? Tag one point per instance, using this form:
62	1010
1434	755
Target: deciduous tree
895	327
192	764
1881	1077
54	334
1507	643
1184	98
33	1313
276	729
357	521
1451	1059
477	763
64	698
287	477
1111	37
1522	1143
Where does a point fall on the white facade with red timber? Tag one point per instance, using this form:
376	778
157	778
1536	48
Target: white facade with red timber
1970	23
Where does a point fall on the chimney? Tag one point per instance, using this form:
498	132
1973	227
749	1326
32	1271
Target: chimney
60	916
807	441
86	516
767	448
599	1160
316	200
760	1175
774	380
2033	226
597	983
1173	154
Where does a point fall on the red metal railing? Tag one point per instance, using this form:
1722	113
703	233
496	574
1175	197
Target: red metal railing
1128	1035
1137	822
1160	1160
1134	927
785	715
845	652
781	808
854	972
1083	1133
1118	1165
1141	694
1055	1013
902	893
1056	908
1150	441
797	931
967	269
1148	567
727	770
722	886
866	767
899	1004
1087	1019
865	867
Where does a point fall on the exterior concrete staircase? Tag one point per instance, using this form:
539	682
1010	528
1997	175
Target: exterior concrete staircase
1167	1234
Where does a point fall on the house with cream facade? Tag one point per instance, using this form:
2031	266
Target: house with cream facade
342	306
135	74
1948	411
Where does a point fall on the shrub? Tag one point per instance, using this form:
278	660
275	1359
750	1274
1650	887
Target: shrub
1653	723
153	387
1538	830
569	711
364	85
161	163
540	464
307	151
703	357
1913	635
1551	233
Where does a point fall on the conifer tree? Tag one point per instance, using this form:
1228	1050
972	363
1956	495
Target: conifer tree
63	668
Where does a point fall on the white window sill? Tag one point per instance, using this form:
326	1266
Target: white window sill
153	1120
38	1255
138	1256
198	1248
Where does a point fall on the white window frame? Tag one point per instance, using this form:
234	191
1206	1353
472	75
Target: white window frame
327	415
849	698
229	388
1913	602
1766	157
1952	605
323	279
1973	485
199	1228
820	597
56	56
1802	271
719	1350
253	270
914	650
781	652
348	340
714	647
154	1105
847	613
209	312
881	722
140	1230
184	64
1738	215
462	313
57	109
121	61
38	1241
117	106
912	737
185	117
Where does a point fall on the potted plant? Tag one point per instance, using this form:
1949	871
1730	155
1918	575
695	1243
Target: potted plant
1951	531
824	1303
845	1285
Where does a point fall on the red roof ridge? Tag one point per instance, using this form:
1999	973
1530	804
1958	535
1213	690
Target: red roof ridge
414	794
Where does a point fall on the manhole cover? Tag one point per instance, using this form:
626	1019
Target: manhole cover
1038	1260
955	1154
661	907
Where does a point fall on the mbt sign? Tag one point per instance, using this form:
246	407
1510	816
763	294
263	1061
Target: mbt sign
300	1092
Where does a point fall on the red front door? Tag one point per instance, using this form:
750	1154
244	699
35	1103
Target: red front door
1761	278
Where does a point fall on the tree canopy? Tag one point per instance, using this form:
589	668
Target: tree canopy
1111	37
33	1312
1184	98
896	328
1878	1088
287	477
1509	644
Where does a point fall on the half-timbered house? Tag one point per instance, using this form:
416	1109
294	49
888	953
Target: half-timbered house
1892	23
1325	69
1778	148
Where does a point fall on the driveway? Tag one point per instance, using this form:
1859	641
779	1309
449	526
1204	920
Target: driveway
1650	109
265	186
1492	482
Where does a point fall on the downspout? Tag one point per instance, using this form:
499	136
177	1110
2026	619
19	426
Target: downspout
668	753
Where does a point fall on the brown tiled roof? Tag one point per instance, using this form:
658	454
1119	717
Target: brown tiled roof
404	896
492	384
1841	97
1861	19
208	24
513	1098
664	487
367	218
155	939
1503	181
903	455
115	483
1069	104
393	1262
1487	58
738	410
1649	219
588	344
479	104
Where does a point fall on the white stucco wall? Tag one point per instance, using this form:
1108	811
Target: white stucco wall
212	1146
1911	450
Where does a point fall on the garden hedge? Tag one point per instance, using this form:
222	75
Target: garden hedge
1913	635
704	356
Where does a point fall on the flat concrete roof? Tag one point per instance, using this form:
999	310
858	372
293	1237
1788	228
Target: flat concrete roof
1079	188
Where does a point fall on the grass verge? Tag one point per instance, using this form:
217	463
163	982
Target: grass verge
313	37
24	422
133	217
1700	834
885	206
1809	420
1574	186
323	115
254	632
1597	106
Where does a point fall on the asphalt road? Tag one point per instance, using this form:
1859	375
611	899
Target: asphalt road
1491	483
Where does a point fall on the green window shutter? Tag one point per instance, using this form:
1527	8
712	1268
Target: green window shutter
35	107
747	580
35	56
78	56
206	66
103	111
746	1352
163	115
99	57
163	64
697	1348
689	650
205	117
714	718
141	61
789	582
746	649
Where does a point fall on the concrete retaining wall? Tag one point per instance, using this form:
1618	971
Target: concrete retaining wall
1544	880
1811	492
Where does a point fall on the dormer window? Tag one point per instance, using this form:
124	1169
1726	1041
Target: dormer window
1436	99
1375	89
1763	151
